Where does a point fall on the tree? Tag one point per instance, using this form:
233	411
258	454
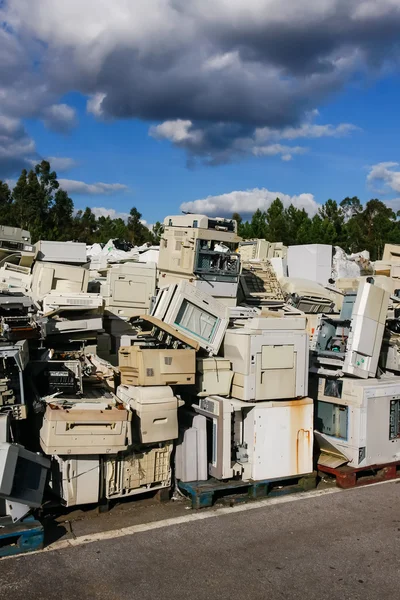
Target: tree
139	234
158	230
47	179
236	217
33	199
259	225
6	209
297	225
85	226
19	193
61	216
277	230
245	230
351	207
379	224
38	204
333	213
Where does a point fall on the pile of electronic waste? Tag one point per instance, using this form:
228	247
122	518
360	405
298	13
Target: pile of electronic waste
226	355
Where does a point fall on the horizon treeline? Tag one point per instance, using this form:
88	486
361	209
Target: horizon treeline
347	224
38	203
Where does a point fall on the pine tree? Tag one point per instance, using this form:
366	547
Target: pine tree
61	216
333	213
277	226
85	226
259	225
6	208
139	234
298	225
158	230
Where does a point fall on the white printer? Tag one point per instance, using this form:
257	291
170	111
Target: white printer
258	440
269	358
155	412
358	421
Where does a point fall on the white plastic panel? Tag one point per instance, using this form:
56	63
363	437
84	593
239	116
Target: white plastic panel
195	314
76	479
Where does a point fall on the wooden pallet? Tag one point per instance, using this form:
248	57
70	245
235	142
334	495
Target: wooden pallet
22	537
205	493
349	477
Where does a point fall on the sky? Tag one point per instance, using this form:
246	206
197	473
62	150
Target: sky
211	106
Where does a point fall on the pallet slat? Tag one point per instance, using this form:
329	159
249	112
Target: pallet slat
349	477
26	536
203	494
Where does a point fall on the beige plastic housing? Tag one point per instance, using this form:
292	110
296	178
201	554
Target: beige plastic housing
61	252
366	332
129	288
193	313
85	428
391	253
214	376
359	421
184	254
61	278
137	472
261	250
271	362
155	412
75	479
272	439
149	366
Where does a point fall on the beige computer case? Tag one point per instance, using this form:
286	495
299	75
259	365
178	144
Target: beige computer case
155	412
190	249
269	358
391	253
214	376
129	288
153	366
137	472
178	242
85	428
61	278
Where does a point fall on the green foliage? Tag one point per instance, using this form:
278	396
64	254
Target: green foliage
138	233
158	230
5	202
37	203
348	224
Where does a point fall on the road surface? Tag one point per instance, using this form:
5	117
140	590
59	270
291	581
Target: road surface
337	546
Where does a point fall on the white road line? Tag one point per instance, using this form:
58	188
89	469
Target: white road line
195	516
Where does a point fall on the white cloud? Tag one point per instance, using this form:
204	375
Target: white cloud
264	141
275	149
176	131
311	130
246	202
308	129
385	174
393	204
146	224
60	117
61	163
91	189
93	104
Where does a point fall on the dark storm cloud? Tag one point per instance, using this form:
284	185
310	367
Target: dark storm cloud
227	66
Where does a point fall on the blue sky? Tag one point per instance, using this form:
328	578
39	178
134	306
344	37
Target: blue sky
322	126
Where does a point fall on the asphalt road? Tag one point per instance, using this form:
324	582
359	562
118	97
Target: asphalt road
339	546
